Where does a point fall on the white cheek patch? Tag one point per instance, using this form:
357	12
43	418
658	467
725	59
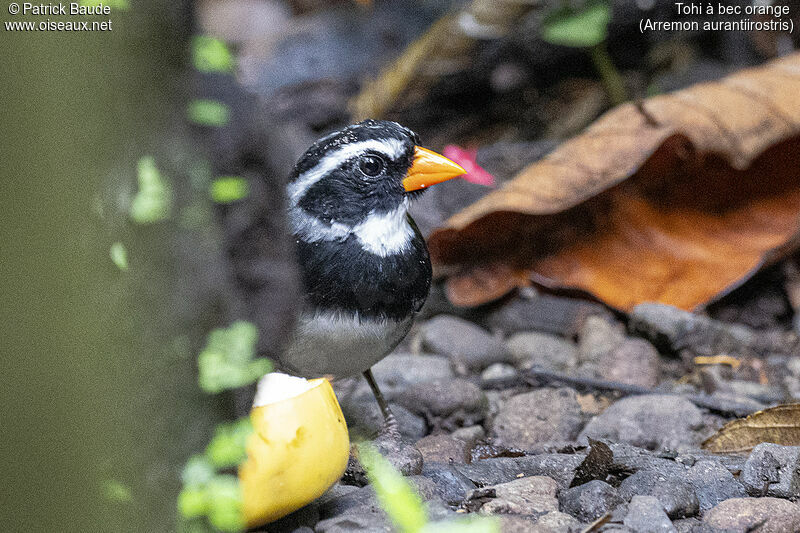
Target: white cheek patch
391	148
385	233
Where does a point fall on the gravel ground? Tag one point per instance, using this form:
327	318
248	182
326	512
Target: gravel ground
489	429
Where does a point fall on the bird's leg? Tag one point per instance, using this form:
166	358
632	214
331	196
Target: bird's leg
390	425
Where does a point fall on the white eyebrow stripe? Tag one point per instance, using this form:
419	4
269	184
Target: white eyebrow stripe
391	148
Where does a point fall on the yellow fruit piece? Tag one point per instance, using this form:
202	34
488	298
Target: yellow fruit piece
299	448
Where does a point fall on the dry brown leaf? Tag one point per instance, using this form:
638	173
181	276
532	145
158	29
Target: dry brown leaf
779	425
675	200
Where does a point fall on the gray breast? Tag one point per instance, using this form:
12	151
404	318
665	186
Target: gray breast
340	344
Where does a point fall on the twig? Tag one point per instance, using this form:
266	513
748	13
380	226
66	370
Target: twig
536	376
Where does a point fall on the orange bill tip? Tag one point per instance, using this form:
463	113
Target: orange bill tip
430	168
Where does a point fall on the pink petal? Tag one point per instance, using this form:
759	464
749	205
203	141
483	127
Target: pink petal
466	158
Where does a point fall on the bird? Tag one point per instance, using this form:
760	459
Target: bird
364	265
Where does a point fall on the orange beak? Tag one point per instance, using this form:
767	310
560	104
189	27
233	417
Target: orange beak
430	168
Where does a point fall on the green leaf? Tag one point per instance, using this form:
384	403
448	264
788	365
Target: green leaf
229	189
192	502
119	255
579	28
400	501
210	54
225	497
208	113
197	472
117	491
153	201
227	448
227	361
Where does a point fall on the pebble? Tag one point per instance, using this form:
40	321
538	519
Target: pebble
597	337
498	371
531	495
742	515
521	524
560	467
590	501
372	522
772	470
452	485
645	515
634	361
653	421
463	342
713	483
443	449
451	402
469	434
558	522
677	497
551	352
398	371
539	416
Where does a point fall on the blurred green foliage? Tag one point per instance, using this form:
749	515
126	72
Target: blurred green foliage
578	27
119	255
227	448
210	54
228	362
117	491
228	189
208	113
153	201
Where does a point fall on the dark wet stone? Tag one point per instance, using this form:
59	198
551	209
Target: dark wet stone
645	515
590	501
539	416
677	496
560	467
452	486
366	521
364	419
713	483
772	470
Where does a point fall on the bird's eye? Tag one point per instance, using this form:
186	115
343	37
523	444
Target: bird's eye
371	165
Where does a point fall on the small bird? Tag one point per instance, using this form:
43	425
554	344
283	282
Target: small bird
364	264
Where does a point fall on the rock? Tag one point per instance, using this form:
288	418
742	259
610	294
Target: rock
521	524
550	352
443	449
303	519
532	495
677	497
463	342
469	434
560	467
634	361
597	337
402	456
743	515
545	313
400	370
426	488
653	421
498	371
590	501
558	522
364	419
447	403
539	416
679	330
341	499
713	483
645	515
452	485
693	525
772	470
372	522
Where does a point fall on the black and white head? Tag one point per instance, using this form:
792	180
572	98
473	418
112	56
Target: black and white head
359	181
